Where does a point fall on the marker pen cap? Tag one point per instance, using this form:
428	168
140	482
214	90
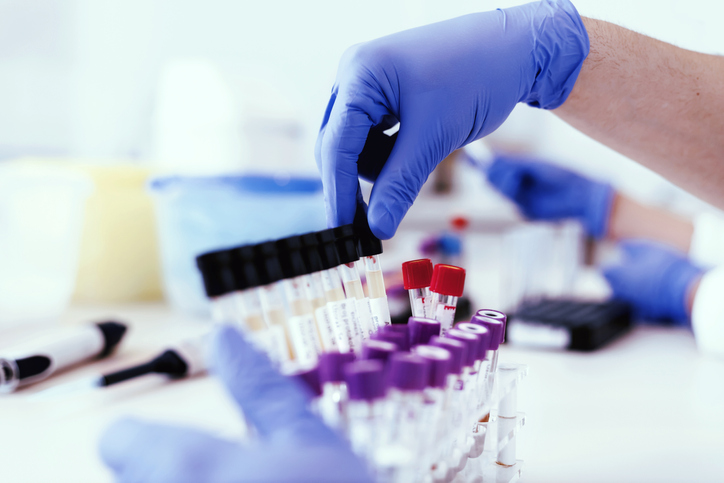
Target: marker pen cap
331	366
484	337
310	252
310	379
470	340
270	270
400	340
495	315
422	330
408	372
346	243
290	257
328	248
403	329
494	326
417	273
365	380
457	352
448	280
216	272
367	244
439	363
380	350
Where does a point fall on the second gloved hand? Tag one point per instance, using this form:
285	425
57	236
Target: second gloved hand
655	279
294	445
543	191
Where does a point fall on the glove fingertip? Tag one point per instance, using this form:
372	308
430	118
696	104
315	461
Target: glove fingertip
381	221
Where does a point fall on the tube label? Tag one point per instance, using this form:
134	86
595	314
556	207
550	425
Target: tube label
364	315
339	316
305	342
445	314
351	323
326	329
380	313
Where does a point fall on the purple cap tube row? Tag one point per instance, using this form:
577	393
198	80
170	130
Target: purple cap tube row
439	363
408	372
365	380
331	366
422	330
457	352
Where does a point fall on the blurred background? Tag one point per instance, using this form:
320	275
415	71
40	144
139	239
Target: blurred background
185	105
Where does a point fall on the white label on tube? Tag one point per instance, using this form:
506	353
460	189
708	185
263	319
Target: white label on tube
340	319
351	323
326	329
380	312
278	349
445	314
364	315
304	338
419	308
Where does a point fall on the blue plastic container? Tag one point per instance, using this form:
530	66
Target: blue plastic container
199	214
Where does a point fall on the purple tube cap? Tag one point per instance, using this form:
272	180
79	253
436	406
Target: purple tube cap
400	340
310	379
494	326
380	350
457	351
439	363
495	315
365	380
331	366
471	341
484	336
408	372
422	330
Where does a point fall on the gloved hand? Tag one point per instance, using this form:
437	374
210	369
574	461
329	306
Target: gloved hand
294	445
543	191
655	279
447	84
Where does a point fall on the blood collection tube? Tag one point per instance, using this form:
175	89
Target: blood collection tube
403	329
417	275
342	311
365	411
247	297
219	284
301	324
496	328
495	315
399	339
380	350
446	286
315	290
482	366
347	250
421	330
369	248
333	402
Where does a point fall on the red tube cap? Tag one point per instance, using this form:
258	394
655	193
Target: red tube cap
448	280
417	273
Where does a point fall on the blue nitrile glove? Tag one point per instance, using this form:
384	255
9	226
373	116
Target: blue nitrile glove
654	279
447	84
543	191
294	445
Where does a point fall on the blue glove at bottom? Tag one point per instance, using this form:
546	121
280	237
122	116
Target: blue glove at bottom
654	279
294	445
543	191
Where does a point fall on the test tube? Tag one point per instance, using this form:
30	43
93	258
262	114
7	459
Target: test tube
402	440
422	330
446	286
341	311
416	276
220	284
333	402
399	339
369	248
347	250
496	329
380	350
482	365
315	291
301	324
365	411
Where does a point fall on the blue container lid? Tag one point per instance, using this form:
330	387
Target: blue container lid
247	183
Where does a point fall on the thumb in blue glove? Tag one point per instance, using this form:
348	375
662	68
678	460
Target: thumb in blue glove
447	84
655	279
543	191
294	445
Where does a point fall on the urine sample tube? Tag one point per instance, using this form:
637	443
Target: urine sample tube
333	402
302	328
347	250
366	389
315	291
446	286
369	248
421	330
416	276
341	311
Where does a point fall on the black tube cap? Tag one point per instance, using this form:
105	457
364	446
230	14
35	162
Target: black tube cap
328	249
270	270
243	263
112	332
310	252
290	257
346	243
217	272
367	244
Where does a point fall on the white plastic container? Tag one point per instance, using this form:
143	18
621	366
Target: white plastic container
199	214
41	221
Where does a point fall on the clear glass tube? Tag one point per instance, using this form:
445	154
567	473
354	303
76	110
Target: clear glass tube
301	327
378	294
271	299
443	310
339	309
353	291
420	301
325	328
333	405
433	417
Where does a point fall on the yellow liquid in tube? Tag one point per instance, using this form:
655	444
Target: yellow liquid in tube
376	284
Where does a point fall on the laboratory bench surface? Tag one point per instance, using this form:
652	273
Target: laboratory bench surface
646	408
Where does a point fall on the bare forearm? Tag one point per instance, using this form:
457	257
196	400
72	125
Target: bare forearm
630	219
658	104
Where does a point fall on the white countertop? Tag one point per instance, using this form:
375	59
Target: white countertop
646	408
